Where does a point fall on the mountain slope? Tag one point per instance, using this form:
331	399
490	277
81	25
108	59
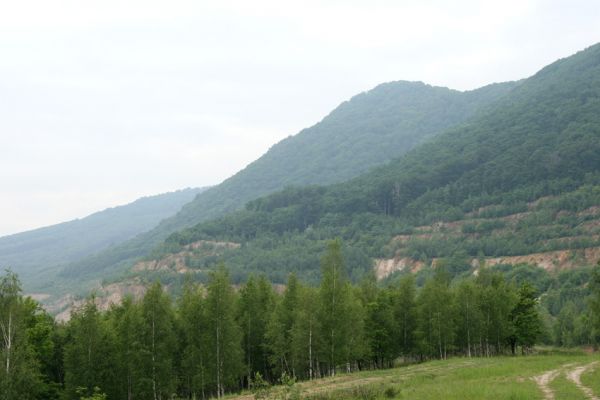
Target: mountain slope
29	252
533	156
368	130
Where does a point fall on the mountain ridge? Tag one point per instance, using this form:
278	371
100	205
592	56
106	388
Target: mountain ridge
43	249
540	140
413	112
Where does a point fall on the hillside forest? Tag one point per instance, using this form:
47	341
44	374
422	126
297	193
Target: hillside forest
218	338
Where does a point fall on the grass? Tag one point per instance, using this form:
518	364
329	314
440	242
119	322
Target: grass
456	379
591	379
565	389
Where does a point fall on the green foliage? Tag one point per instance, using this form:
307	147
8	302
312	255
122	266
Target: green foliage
526	319
89	353
225	355
19	367
158	341
96	395
594	303
366	131
39	255
259	387
520	175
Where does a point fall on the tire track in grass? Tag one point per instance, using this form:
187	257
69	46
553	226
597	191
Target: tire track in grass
543	382
575	377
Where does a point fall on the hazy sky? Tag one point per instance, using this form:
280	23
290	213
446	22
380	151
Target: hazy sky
102	102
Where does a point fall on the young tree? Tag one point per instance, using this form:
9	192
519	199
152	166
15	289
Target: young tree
279	330
19	372
526	320
194	328
436	315
224	338
405	314
256	305
381	329
89	353
127	323
306	341
594	304
496	301
45	348
468	316
158	341
334	312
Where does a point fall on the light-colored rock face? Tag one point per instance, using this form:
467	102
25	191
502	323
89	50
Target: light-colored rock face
385	267
550	261
107	296
177	262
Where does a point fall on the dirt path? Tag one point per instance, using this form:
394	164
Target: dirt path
575	377
543	382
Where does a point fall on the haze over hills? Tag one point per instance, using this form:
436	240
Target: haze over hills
521	178
368	130
45	249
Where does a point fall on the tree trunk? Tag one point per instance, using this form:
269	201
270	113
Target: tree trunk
153	360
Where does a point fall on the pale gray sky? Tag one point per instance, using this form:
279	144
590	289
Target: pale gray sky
102	102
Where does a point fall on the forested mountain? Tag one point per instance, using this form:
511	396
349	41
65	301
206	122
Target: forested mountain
368	130
30	252
522	177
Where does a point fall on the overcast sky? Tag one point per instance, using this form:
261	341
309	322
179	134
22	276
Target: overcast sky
102	102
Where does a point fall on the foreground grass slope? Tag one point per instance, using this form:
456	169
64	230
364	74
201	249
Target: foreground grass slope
523	377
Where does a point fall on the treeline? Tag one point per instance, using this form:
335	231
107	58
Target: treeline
215	339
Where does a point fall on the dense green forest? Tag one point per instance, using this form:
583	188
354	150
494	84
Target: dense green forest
213	339
37	255
368	130
520	178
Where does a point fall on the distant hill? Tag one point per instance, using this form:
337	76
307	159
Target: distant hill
29	253
521	178
368	130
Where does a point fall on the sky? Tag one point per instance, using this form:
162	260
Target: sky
102	102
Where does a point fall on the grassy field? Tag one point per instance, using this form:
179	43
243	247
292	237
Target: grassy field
550	375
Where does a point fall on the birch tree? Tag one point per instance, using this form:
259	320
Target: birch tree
194	329
306	340
19	373
279	330
224	337
334	312
89	353
158	344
